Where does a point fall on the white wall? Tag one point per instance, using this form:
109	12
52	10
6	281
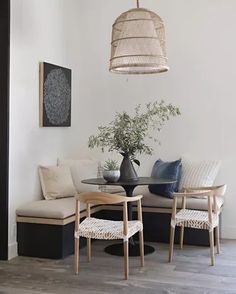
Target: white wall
39	30
76	34
201	49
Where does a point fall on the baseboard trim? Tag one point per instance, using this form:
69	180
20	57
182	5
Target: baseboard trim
228	232
12	250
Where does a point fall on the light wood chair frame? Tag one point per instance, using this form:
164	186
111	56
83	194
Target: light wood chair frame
106	198
198	192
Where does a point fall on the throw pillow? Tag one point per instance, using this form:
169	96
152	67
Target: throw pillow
167	170
198	173
56	182
82	169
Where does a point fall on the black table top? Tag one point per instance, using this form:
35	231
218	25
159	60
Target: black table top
142	181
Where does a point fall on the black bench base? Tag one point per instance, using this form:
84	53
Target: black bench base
57	241
46	241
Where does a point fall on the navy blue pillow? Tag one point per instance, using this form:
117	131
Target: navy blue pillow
166	170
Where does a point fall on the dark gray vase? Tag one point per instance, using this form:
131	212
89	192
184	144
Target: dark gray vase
127	171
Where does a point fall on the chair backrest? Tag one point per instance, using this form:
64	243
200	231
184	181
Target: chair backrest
219	190
199	192
193	193
104	198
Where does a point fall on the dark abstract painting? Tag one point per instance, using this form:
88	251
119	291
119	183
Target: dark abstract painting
55	96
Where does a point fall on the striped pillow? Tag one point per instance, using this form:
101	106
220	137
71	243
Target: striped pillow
198	173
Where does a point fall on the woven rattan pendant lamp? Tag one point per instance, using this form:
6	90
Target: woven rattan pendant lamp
138	43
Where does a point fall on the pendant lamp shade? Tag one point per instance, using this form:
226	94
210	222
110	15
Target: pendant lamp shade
138	43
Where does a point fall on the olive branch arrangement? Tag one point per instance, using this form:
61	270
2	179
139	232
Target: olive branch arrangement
129	134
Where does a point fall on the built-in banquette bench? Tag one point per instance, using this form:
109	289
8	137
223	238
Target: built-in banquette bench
45	228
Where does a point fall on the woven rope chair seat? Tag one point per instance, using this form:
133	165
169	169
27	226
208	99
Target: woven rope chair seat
102	229
195	219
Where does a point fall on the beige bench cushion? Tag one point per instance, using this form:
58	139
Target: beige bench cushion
65	207
58	208
152	200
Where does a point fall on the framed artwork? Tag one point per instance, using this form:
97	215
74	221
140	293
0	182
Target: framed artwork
55	95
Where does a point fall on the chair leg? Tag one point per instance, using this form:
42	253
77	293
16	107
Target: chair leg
181	237
126	259
172	238
211	235
218	239
141	247
76	256
88	249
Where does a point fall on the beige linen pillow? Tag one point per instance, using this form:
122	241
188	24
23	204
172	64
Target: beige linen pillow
82	169
56	182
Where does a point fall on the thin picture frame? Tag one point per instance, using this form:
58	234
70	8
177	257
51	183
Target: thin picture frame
54	95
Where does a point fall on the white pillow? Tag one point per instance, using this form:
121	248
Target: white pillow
198	173
56	182
82	169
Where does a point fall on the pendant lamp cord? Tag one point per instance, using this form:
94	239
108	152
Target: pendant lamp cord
137	3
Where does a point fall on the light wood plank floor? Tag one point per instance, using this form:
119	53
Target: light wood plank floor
190	272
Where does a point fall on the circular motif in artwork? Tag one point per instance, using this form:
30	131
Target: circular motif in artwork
57	95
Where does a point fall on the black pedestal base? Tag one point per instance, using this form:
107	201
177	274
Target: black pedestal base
118	249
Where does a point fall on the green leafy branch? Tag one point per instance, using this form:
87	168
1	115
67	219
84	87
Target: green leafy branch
127	134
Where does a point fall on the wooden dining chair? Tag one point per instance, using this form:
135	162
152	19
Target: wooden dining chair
94	228
197	219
